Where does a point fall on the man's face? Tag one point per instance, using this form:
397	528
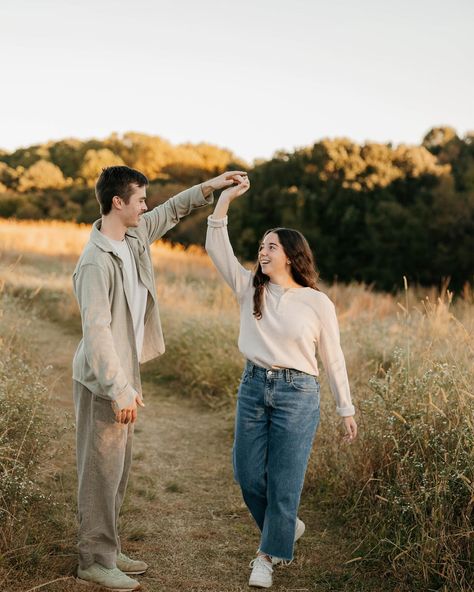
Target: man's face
136	206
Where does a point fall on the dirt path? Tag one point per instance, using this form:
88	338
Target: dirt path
183	513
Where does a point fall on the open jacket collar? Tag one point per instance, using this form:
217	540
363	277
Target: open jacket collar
100	240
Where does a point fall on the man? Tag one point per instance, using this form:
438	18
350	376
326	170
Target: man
115	288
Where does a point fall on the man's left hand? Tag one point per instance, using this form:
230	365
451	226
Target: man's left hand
225	180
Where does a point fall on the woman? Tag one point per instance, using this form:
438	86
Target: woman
283	319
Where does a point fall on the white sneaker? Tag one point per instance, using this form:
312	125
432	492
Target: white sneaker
111	579
262	570
299	531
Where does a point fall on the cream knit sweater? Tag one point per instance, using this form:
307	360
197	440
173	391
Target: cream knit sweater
295	322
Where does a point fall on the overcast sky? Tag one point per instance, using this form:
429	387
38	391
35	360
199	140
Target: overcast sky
253	76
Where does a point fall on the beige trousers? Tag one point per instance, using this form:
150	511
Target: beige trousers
104	454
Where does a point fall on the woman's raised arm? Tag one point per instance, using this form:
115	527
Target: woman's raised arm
217	239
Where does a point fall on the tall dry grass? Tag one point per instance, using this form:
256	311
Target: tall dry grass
31	510
407	485
66	240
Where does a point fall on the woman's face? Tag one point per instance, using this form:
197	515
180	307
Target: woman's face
272	257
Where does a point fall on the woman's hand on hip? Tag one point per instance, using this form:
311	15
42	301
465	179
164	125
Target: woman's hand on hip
350	428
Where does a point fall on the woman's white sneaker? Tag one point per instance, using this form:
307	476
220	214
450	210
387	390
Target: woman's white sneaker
299	531
262	570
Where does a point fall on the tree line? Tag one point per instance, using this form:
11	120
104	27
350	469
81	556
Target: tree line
372	212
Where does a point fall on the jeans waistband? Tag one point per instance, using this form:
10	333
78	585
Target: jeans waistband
285	373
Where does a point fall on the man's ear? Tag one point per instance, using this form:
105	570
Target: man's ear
117	202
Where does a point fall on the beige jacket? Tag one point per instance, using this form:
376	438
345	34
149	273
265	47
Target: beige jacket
106	360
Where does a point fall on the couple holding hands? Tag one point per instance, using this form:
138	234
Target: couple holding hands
284	320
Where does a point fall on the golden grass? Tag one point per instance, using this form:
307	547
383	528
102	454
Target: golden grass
59	239
186	276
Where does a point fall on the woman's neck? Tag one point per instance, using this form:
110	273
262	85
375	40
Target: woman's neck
284	280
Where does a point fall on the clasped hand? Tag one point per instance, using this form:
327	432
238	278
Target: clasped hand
234	182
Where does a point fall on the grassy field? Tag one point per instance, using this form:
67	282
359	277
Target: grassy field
403	493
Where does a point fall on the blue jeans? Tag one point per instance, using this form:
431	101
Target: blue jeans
276	420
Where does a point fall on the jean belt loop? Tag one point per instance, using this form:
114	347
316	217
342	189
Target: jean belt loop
287	375
252	368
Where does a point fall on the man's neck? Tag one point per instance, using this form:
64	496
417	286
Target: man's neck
112	228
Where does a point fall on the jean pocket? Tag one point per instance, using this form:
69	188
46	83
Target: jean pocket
245	376
304	382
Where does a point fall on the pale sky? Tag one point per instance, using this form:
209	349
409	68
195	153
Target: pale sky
253	76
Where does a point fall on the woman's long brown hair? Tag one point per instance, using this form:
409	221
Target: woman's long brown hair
303	269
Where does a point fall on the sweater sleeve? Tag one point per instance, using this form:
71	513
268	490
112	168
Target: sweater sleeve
332	357
220	251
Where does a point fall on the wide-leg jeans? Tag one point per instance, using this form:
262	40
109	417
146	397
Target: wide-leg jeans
276	421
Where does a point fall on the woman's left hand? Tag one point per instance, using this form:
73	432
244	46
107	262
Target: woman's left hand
242	185
351	429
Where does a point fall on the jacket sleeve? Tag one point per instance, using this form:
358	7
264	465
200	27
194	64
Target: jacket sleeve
162	218
92	291
330	350
220	251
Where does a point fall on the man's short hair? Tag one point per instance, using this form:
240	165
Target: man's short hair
117	180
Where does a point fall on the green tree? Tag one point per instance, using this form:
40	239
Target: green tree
148	154
8	176
68	155
438	137
93	163
42	175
